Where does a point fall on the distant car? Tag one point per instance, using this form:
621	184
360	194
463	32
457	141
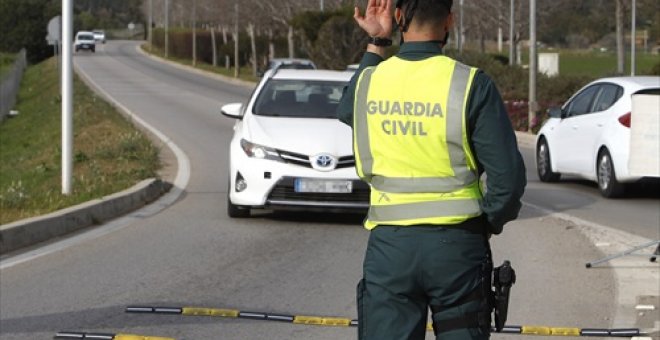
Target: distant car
290	63
85	41
99	36
289	151
589	136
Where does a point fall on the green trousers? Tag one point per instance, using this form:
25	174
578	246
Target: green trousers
409	269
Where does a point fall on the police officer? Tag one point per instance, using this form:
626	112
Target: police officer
426	127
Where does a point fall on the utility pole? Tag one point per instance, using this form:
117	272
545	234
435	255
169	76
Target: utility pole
150	28
633	38
533	67
194	33
167	28
67	96
237	64
511	32
322	7
460	25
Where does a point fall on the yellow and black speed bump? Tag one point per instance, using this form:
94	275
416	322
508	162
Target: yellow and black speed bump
105	336
344	322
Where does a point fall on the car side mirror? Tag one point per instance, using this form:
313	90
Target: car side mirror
556	112
232	110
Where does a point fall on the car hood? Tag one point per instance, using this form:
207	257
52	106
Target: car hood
308	136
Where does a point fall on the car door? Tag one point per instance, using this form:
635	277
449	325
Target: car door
569	144
592	126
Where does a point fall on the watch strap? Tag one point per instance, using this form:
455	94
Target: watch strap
378	41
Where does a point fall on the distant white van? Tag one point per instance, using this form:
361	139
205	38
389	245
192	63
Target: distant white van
85	41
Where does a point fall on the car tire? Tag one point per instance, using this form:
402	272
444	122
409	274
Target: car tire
93	50
543	164
608	185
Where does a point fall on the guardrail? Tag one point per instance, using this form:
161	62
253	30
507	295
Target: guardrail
10	84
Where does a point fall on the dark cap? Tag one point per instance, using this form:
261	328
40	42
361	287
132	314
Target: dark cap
447	3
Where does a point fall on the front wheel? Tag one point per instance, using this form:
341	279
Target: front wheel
608	185
543	165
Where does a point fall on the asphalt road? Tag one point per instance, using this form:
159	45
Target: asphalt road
192	254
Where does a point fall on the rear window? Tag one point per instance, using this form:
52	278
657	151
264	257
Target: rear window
299	98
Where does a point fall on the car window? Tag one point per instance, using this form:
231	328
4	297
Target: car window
607	96
581	104
299	98
649	91
85	37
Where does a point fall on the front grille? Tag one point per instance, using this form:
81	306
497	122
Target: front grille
284	191
303	160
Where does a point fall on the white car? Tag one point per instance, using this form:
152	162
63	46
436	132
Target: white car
85	41
289	151
99	36
590	135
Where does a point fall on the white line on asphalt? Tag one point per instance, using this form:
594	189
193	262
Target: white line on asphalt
630	283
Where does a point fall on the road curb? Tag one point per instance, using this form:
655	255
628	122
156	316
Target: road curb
27	232
525	139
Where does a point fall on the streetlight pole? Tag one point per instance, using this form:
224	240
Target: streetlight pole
533	67
67	96
322	7
633	38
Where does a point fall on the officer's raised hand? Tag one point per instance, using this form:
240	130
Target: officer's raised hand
377	20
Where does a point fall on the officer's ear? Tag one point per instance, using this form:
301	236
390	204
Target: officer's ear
449	23
398	17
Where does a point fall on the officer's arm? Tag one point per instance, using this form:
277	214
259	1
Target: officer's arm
495	146
345	108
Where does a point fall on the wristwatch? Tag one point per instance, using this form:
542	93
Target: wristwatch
378	41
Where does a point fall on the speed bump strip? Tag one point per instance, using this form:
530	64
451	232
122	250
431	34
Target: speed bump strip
345	322
105	336
225	313
320	321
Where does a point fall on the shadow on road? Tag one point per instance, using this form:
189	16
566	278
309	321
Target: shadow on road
95	319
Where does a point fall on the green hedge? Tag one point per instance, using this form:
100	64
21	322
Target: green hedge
513	84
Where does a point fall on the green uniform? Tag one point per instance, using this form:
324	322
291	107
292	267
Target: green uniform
411	266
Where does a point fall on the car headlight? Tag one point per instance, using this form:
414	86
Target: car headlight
259	151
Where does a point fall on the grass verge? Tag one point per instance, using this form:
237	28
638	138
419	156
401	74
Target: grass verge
110	154
244	74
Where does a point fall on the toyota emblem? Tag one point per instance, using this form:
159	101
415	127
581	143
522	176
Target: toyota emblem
324	162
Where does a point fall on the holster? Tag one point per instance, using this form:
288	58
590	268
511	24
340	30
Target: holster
503	278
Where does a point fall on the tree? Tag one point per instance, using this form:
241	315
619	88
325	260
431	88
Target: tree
23	24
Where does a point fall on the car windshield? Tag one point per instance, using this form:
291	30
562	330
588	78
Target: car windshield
299	98
85	37
297	66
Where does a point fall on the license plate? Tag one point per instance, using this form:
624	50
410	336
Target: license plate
322	185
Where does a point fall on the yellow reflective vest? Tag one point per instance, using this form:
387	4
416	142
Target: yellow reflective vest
410	142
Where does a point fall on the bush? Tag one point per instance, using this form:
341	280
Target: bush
655	71
513	84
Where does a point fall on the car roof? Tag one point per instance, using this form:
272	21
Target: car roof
329	75
633	82
84	32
